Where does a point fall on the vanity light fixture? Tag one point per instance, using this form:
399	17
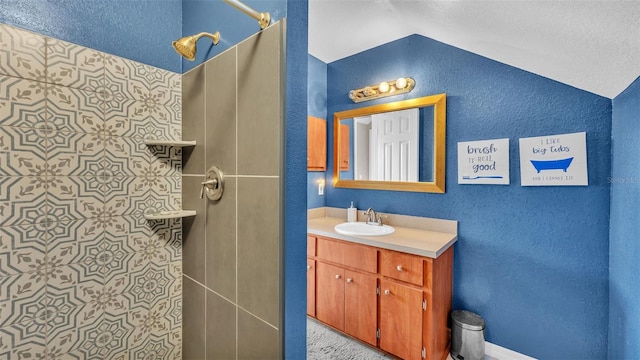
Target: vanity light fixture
385	88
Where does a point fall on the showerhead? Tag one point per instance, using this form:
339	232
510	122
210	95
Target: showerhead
186	46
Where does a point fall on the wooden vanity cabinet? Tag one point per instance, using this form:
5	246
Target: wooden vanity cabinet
395	301
346	288
330	297
316	144
311	276
311	287
360	308
401	320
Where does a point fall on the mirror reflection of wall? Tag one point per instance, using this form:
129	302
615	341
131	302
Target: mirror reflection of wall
390	146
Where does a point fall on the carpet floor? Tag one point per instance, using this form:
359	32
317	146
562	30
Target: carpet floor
324	343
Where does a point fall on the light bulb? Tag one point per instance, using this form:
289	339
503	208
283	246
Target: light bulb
352	94
383	87
368	91
401	83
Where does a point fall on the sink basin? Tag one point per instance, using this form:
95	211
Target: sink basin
363	229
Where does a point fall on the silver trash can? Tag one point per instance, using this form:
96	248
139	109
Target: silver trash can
467	336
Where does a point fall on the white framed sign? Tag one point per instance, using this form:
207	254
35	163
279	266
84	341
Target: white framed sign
554	160
483	162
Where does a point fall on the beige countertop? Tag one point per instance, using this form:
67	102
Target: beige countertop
408	240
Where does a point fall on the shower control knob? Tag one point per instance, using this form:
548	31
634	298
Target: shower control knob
213	184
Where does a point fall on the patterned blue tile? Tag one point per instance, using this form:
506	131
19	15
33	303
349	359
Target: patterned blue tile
167	88
22	248
161	118
79	265
22	152
127	79
126	156
153	285
22	298
75	154
74	66
21	53
73	284
22	200
123	194
75	110
22	340
165	161
69	324
22	102
77	197
121	117
120	271
75	241
113	336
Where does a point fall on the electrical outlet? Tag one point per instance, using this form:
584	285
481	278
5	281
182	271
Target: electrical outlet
321	189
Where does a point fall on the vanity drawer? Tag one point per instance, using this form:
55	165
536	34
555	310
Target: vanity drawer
403	267
311	245
353	255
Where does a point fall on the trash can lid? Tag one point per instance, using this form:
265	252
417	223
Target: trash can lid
467	320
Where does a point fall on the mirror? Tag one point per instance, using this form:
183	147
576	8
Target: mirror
393	146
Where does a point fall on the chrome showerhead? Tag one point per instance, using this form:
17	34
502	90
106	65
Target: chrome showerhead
186	46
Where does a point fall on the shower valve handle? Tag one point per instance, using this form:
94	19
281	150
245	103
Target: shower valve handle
213	184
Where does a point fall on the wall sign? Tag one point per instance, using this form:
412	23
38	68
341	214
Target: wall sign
483	162
554	160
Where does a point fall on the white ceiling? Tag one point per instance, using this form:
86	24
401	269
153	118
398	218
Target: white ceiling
591	45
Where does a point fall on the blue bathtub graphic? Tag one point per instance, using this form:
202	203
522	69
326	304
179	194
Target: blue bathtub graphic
562	164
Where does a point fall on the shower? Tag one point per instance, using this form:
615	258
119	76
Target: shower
186	46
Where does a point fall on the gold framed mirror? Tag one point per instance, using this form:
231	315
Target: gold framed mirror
394	146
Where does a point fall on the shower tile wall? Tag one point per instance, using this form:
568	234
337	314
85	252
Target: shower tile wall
82	274
232	107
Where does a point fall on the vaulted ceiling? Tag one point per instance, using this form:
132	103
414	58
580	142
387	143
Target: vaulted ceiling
591	45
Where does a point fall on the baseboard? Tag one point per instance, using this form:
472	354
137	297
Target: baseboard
500	353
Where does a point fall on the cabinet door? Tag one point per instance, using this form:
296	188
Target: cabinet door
401	320
311	287
360	311
330	295
316	144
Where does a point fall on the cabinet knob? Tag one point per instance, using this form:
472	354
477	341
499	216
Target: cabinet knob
337	276
399	267
349	280
308	267
387	292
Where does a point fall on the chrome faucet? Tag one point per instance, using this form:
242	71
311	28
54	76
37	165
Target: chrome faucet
373	218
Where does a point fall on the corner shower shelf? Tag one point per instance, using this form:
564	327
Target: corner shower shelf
171	214
174	143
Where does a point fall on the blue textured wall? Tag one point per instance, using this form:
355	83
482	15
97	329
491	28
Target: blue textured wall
295	197
533	261
140	30
316	106
624	267
234	26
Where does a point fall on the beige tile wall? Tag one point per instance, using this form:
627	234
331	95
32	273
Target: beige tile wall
232	106
82	274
